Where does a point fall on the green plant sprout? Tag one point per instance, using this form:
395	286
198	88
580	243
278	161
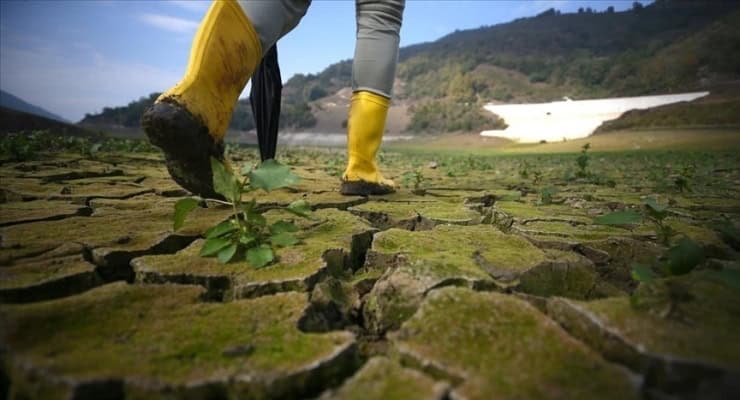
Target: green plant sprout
681	180
524	169
335	166
536	177
657	213
582	161
652	211
414	179
658	291
247	232
547	194
665	295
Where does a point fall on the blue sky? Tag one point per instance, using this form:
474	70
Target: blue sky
76	57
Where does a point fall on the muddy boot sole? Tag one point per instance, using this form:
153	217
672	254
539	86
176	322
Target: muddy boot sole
362	188
187	146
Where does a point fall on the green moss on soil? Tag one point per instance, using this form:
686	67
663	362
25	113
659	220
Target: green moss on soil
164	335
137	203
17	212
362	275
322	199
565	279
579	232
29	274
524	211
333	230
384	379
36	188
698	233
438	211
710	337
452	247
125	231
504	348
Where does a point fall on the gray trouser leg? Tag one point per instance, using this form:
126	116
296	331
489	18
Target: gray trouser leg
376	49
272	19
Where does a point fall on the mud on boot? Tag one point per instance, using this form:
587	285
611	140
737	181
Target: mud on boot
364	188
186	144
189	120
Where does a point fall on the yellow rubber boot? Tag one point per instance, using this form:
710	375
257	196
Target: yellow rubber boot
225	53
189	121
365	126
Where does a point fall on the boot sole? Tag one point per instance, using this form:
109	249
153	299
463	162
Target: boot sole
362	188
187	146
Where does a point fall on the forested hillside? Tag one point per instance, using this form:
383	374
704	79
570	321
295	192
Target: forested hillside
668	46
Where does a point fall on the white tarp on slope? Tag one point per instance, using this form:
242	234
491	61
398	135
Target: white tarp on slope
570	119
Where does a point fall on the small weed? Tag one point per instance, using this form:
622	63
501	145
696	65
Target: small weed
19	147
652	211
659	293
583	160
536	177
524	167
414	179
334	166
246	233
657	213
547	194
681	183
568	175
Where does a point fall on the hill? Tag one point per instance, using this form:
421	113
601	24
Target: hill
18	121
7	100
128	116
665	47
720	108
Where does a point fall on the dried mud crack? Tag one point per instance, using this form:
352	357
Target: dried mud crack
469	286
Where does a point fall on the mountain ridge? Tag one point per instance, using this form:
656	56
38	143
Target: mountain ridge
666	47
13	102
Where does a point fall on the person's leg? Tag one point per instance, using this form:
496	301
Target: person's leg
189	121
373	72
273	19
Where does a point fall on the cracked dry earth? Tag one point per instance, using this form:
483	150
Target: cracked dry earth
468	289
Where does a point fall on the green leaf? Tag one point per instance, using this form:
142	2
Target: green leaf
729	232
300	208
652	203
642	273
221	229
657	211
729	277
550	190
246	239
627	217
227	253
182	208
684	256
283	226
284	239
246	169
224	182
213	246
255	218
260	256
271	175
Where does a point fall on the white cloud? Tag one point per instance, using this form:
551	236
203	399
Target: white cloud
191	5
169	23
73	86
